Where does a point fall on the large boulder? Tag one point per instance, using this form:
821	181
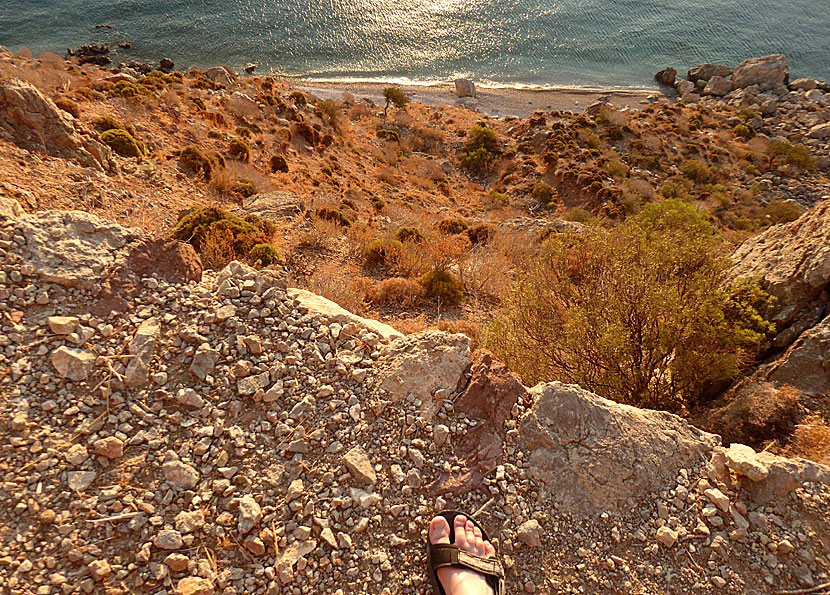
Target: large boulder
772	70
33	122
806	364
421	364
331	312
704	72
667	76
717	86
592	454
793	259
465	88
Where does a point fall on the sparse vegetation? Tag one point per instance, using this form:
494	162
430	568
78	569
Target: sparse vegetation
123	143
278	164
239	149
241	235
410	234
443	286
451	226
394	96
382	252
334	216
794	154
193	160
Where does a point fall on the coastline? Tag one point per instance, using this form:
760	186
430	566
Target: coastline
496	102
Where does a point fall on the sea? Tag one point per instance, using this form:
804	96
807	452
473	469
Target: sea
512	43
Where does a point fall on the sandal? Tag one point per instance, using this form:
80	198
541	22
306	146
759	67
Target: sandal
441	555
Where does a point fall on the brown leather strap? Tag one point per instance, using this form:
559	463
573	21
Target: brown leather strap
445	554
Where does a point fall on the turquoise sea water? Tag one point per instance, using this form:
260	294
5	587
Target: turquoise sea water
608	43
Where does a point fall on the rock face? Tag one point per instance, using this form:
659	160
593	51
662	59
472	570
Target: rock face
593	454
667	76
32	121
72	248
806	364
704	72
764	476
465	88
421	364
794	261
771	70
274	206
10	208
334	313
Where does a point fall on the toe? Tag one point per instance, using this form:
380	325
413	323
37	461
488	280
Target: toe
489	550
470	530
439	530
479	542
461	532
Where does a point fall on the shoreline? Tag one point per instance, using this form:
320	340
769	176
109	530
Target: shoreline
497	102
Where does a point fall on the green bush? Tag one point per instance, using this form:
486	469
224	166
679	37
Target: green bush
123	143
265	254
104	123
390	135
500	197
193	160
333	215
616	168
394	96
745	131
217	160
245	188
579	215
410	234
279	164
298	98
239	149
451	227
543	193
311	135
793	154
194	227
480	149
129	89
443	286
642	313
382	252
199	102
696	170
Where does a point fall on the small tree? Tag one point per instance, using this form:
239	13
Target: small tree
394	96
641	314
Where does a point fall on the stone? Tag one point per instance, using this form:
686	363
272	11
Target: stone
243	106
440	434
194	585
221	75
717	86
464	88
820	131
76	454
9	208
793	260
803	84
806	363
742	460
189	398
180	474
295	490
785	547
685	87
530	533
142	348
79	481
666	536
575	438
250	514
770	70
99	569
73	248
667	76
110	447
357	462
249	67
187	522
63	325
168	539
704	72
421	364
327	535
176	562
289	557
166	64
33	122
717	498
73	364
204	361
274	206
330	312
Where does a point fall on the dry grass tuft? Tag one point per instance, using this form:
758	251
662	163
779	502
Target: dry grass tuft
811	440
399	291
217	249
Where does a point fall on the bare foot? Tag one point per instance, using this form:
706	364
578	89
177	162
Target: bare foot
460	581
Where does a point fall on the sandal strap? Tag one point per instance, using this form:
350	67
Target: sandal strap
446	554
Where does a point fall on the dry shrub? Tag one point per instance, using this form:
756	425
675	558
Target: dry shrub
223	182
359	111
465	327
488	270
348	293
811	440
320	234
399	291
218	249
358	236
386	174
427	139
